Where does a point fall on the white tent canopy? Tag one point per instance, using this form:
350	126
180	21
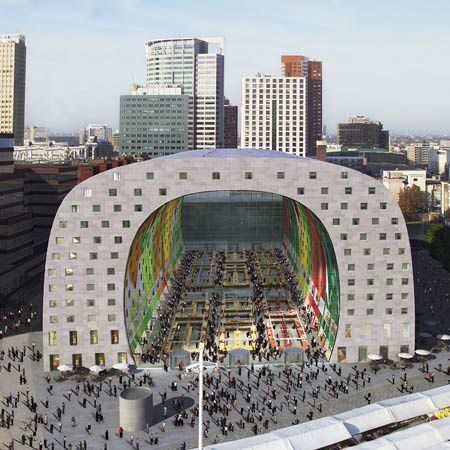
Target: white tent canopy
439	396
413	405
366	418
315	434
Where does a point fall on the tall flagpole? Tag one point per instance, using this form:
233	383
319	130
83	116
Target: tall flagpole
200	399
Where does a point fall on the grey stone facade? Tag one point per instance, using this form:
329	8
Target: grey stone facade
373	252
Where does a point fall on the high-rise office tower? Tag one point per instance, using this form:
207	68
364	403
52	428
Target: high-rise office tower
230	119
197	65
361	132
12	85
154	120
273	113
302	66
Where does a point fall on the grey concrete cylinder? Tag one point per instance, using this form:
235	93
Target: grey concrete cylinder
135	406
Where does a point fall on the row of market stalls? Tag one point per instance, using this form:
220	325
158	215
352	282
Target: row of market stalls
421	418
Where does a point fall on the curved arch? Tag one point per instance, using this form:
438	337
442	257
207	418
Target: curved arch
158	246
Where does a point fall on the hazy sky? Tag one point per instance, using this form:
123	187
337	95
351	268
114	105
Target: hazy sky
387	59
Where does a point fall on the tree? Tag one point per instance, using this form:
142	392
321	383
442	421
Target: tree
411	201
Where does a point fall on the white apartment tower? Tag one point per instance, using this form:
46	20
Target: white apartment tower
12	86
198	66
273	113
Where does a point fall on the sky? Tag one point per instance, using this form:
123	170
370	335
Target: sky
386	59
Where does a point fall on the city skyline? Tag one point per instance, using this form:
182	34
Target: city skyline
80	62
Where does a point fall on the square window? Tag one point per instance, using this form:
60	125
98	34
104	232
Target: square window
389	296
375	221
348	330
125	224
117	239
324	190
51	272
336	221
96	208
90	271
90	302
394	221
162	191
324	206
91	318
370	297
97	239
87	192
93	255
405	266
90	287
350	267
369	311
70	319
215	175
59	240
398	236
300	191
280	175
389	266
63	224
72	255
53	319
111	317
389	281
52	303
52	288
348	190
405	295
117	208
370	266
382	236
389	311
150	175
110	271
344	175
56	256
350	312
404	311
383	205
138	208
248	175
116	176
371	190
113	192
70	302
343	237
347	251
344	206
84	224
386	251
366	252
114	255
350	297
68	272
138	192
355	221
183	175
350	282
363	236
401	251
363	205
105	223
111	287
370	282
405	281
76	240
313	175
111	302
75	208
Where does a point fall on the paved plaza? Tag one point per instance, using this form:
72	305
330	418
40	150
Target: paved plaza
265	398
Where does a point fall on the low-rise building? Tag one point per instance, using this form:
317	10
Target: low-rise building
396	180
